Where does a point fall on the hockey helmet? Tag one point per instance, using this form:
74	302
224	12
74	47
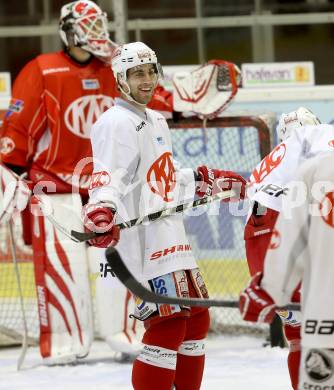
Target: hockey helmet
129	56
293	120
83	24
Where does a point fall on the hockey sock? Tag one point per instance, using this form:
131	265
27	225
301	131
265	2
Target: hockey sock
155	367
292	333
191	354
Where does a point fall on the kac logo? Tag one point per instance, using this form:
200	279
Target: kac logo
161	177
268	164
81	114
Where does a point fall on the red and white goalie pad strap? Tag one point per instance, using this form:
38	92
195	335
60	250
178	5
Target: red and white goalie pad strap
14	193
208	90
61	276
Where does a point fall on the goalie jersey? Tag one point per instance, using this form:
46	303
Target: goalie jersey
134	170
306	248
54	105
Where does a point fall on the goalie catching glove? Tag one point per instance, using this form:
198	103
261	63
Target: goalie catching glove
100	219
212	181
255	304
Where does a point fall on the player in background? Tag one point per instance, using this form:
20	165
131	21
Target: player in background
56	99
302	137
306	228
132	152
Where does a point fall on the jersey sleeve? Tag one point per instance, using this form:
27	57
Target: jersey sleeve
115	160
25	119
284	262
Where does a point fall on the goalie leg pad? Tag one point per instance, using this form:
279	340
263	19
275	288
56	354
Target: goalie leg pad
114	303
63	291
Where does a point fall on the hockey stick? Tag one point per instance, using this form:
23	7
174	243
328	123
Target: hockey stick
124	275
82	237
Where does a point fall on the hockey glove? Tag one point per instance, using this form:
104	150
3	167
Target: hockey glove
255	304
212	181
100	219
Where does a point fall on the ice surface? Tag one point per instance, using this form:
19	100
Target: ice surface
233	363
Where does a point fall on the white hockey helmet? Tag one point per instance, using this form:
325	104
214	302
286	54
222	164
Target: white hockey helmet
293	120
129	56
82	23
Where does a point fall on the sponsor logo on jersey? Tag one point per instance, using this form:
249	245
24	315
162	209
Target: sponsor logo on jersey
269	163
90	84
170	250
318	366
15	106
140	126
160	141
99	179
56	70
326	207
161	177
7	145
81	114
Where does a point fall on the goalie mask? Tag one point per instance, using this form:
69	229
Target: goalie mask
129	56
293	120
83	24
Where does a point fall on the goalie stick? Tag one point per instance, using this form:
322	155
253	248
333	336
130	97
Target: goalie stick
124	275
82	237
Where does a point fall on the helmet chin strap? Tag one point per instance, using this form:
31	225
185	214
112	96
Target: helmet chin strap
129	96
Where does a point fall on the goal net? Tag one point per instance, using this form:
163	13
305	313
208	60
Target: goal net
231	142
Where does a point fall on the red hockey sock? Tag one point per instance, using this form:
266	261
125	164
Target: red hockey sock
292	333
190	360
155	366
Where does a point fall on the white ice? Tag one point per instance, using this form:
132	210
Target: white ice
233	363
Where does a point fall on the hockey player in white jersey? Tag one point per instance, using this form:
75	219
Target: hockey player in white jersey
134	174
306	229
303	137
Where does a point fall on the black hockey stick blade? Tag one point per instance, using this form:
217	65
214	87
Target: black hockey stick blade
124	275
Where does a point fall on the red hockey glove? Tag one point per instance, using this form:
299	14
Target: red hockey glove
255	304
213	181
100	220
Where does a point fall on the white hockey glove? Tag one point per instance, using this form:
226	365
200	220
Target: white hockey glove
293	120
207	90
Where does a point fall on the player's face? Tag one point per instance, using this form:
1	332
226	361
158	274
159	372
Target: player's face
142	81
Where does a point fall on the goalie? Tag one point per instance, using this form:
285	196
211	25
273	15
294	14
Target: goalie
56	99
132	151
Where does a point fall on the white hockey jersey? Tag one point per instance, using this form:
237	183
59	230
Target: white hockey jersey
134	169
306	251
271	175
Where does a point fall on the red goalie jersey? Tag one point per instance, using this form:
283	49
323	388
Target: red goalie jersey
55	103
